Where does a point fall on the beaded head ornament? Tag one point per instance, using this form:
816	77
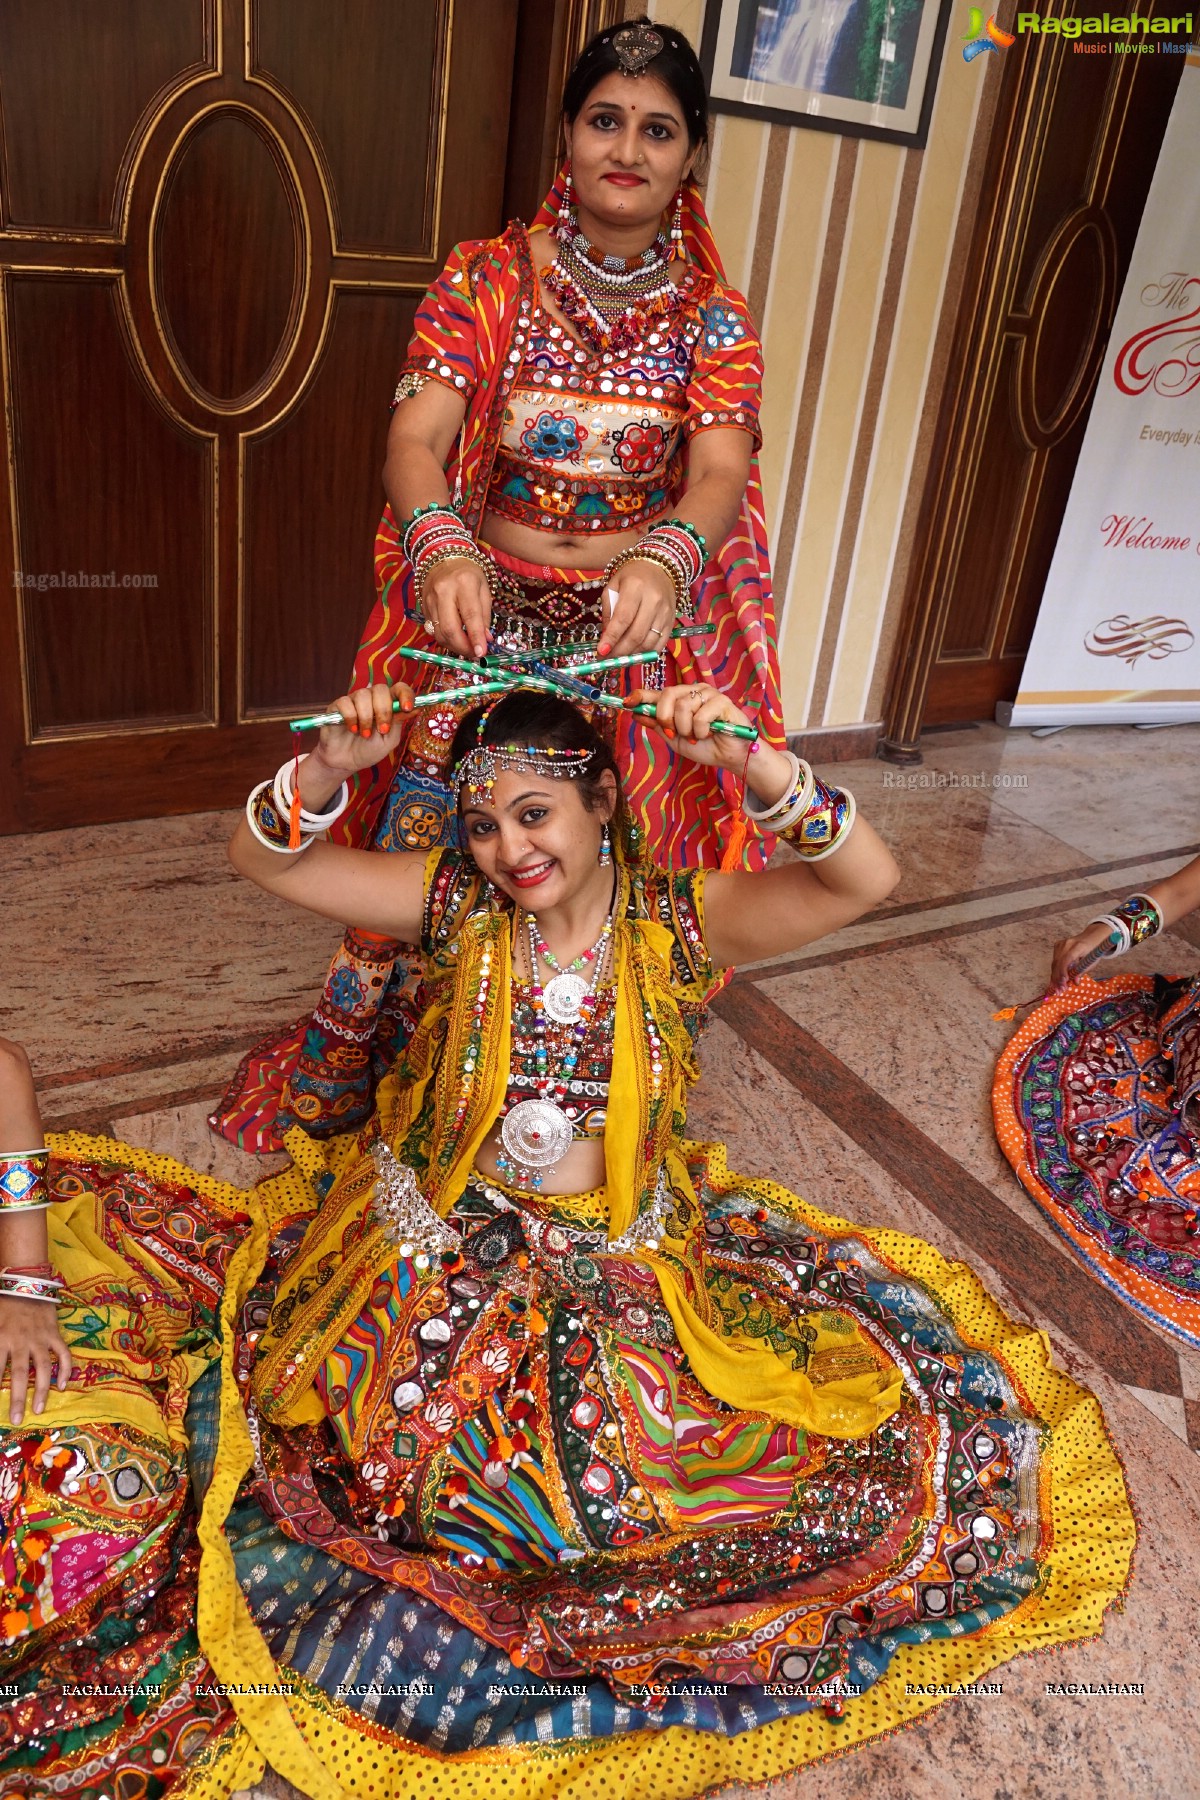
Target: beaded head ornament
479	767
635	48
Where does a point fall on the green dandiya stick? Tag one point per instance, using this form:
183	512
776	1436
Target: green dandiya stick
460	663
614	662
647	710
481	688
509	683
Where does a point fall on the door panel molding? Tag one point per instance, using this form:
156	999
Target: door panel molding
1071	151
226	432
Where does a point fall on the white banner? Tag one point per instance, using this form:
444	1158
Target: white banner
1117	638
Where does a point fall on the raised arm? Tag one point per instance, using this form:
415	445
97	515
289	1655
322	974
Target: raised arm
381	893
751	916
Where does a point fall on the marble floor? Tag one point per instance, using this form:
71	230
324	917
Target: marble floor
137	970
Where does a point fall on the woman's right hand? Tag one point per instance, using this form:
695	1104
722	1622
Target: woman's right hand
372	728
457	603
1069	951
31	1344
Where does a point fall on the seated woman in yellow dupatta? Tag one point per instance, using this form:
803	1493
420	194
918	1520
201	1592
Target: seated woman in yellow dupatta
515	1446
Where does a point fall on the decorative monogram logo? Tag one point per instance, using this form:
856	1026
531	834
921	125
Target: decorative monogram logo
1131	638
1165	356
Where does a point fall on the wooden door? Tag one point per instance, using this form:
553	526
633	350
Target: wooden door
1072	152
216	220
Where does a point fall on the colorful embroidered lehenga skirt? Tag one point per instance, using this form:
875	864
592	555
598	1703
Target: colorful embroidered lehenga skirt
1095	1102
322	1072
662	1594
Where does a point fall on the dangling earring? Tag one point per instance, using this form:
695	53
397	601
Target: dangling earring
605	856
677	248
562	229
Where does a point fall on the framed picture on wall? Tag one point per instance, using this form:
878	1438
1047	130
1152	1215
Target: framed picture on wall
865	68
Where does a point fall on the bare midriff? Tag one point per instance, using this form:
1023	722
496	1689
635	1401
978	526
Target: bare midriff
581	1169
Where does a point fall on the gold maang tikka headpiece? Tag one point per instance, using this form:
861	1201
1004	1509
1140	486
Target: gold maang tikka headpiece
635	48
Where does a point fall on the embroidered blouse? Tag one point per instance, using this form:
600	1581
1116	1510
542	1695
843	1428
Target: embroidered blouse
586	1100
594	442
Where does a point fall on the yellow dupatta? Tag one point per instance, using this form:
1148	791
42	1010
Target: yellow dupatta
436	1113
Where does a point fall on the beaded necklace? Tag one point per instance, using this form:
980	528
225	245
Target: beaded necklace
563	995
613	301
536	1134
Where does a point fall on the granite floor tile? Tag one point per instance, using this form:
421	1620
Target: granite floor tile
949	839
91	1104
1167	1407
1099	789
145	939
183	1132
916	1023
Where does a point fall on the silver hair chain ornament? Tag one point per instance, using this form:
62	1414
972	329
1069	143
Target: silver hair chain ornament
405	1214
479	767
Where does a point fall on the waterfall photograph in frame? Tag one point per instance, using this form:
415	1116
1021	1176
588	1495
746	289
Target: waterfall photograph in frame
865	68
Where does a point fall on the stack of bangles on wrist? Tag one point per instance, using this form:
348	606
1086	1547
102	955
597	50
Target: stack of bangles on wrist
436	534
1135	920
37	1282
816	820
675	546
269	807
23	1189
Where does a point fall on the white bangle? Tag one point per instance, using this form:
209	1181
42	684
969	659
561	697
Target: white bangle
790	803
1120	927
309	821
306	838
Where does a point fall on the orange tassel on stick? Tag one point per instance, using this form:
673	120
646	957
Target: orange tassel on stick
294	810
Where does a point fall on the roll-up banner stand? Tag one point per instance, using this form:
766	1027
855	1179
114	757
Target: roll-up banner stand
1117	639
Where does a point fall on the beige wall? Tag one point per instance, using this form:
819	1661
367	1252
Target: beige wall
849	252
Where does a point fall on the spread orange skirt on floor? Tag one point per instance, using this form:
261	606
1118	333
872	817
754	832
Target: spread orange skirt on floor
1090	1102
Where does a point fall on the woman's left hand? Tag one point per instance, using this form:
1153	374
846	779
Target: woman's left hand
638	609
686	715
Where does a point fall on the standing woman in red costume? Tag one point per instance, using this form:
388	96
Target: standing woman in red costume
571	459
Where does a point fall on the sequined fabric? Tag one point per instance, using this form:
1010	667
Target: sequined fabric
590	442
1094	1102
665	1589
586	1099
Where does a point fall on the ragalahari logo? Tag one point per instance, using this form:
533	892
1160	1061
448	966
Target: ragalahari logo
984	37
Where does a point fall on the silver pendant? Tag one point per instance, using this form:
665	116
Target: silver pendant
563	996
536	1134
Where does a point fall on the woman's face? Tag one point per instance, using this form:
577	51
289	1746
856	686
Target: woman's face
536	840
629	151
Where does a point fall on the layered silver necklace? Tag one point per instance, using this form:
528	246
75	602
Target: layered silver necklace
536	1134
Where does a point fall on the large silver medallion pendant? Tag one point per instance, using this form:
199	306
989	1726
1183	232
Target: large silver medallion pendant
536	1134
564	996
